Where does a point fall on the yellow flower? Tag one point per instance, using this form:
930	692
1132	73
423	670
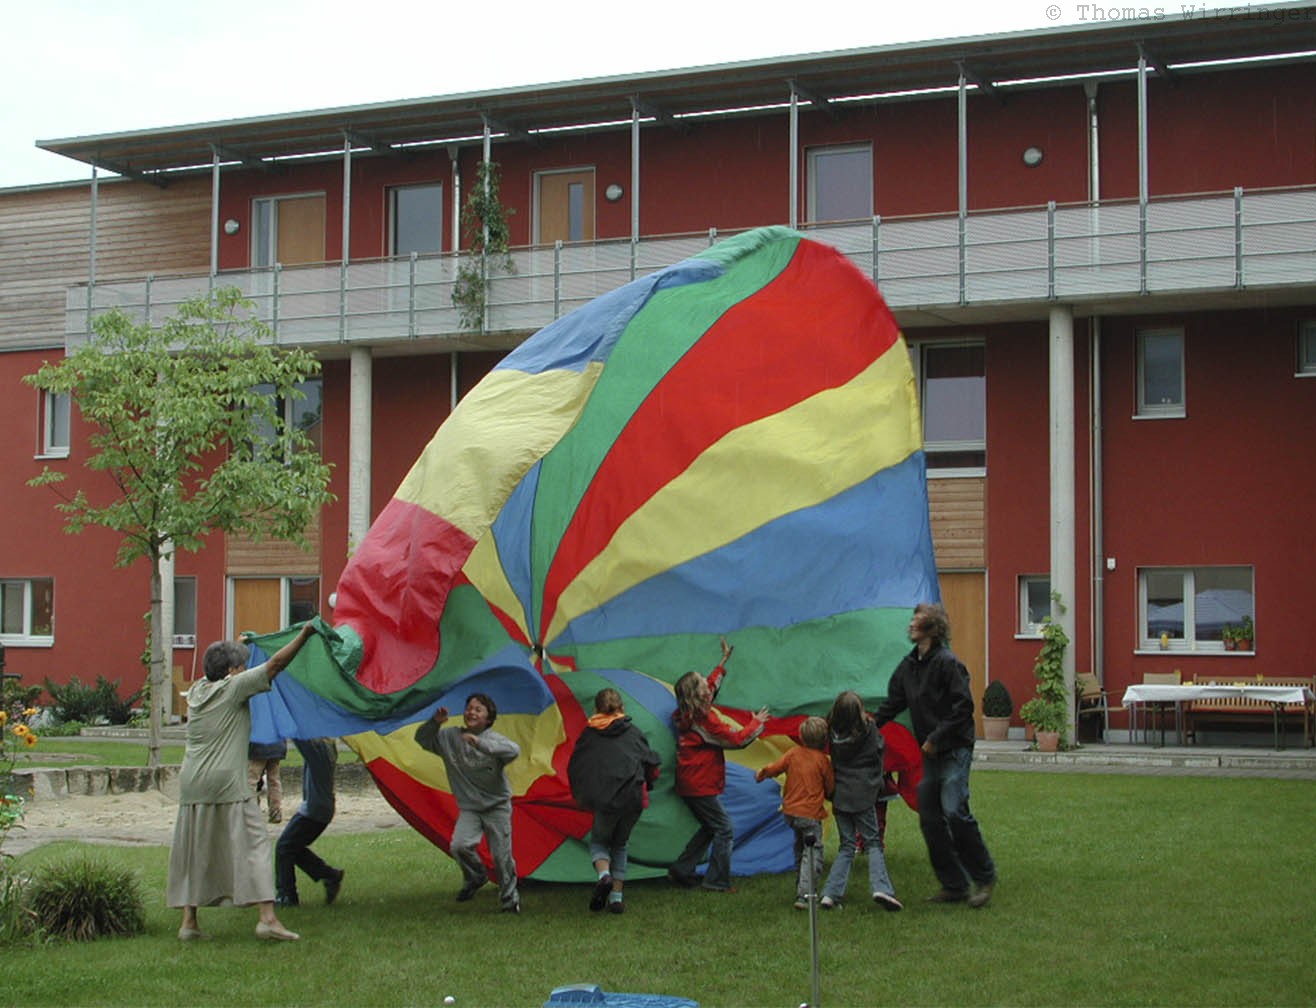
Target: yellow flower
30	739
21	729
4	716
30	712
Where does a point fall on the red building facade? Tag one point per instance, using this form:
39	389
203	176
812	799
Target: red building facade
1108	222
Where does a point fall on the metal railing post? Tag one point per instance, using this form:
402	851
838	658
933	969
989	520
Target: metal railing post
342	302
146	300
964	257
635	255
1051	250
557	279
274	303
411	296
877	223
1238	237
1142	246
712	237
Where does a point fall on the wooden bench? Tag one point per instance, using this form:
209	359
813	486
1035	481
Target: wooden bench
1233	711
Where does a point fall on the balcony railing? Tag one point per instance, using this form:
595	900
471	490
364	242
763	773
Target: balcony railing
1212	242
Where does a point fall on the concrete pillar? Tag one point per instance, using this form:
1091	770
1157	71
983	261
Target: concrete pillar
359	441
1062	482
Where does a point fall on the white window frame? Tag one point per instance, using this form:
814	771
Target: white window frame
1028	627
1189	642
918	351
1161	409
28	637
814	156
1307	349
56	424
185	607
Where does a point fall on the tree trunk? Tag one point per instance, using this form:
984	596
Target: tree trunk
155	675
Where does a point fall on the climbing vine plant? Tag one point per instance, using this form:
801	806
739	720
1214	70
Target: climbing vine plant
488	238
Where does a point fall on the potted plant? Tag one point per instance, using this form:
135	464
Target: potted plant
1243	635
1048	711
997	706
1229	634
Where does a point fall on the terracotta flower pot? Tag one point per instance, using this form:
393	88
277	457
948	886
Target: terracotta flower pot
995	729
1048	741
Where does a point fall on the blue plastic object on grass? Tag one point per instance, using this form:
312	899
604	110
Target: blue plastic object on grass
591	994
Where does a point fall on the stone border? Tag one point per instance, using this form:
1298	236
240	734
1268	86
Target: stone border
52	784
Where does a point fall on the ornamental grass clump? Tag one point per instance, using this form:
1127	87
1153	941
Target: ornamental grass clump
86	898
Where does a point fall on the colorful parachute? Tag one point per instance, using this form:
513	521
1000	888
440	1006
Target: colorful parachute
729	447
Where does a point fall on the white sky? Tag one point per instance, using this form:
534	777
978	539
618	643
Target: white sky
71	68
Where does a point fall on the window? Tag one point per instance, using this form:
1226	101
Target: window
1160	373
1034	603
416	219
55	416
304	412
1307	348
267	604
184	612
953	393
287	230
1191	606
27	611
840	183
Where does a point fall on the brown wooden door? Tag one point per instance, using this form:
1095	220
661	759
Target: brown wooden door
965	597
300	230
565	206
257	605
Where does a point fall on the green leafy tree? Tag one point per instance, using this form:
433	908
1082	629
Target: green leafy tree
189	440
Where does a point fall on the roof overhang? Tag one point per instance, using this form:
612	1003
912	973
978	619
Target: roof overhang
821	79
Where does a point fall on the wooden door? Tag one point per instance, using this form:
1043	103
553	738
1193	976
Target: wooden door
965	597
257	605
565	206
300	230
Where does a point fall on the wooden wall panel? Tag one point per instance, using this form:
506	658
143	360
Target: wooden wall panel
45	246
959	527
273	557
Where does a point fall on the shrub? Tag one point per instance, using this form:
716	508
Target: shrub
84	898
996	700
91	704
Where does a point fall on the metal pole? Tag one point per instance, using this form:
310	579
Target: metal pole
214	214
795	161
962	157
810	842
1142	171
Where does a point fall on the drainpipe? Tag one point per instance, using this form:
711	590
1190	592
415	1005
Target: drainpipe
214	214
91	242
1096	496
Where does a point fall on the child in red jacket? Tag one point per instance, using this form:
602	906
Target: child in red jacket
702	737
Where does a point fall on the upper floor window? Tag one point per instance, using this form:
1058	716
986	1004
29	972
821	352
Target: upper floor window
1161	373
287	230
1307	348
1189	608
305	412
415	219
27	611
1034	603
55	419
840	182
953	392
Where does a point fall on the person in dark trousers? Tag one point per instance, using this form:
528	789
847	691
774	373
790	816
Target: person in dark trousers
610	770
293	851
933	685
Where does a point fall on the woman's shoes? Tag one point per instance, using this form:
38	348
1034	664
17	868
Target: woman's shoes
192	934
274	932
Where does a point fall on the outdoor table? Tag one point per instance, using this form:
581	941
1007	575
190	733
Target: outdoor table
1166	695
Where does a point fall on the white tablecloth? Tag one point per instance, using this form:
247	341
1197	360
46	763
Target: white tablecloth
1153	693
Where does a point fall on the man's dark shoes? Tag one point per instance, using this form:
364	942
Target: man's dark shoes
948	896
469	889
682	879
599	897
511	908
983	896
285	901
332	884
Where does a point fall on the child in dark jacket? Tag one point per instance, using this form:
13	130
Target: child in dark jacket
702	737
809	784
610	770
856	749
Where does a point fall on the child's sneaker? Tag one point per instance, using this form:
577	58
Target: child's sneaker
600	894
887	901
615	903
827	903
802	903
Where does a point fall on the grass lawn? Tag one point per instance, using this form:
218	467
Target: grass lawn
1114	891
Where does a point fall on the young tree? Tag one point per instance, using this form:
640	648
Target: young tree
190	441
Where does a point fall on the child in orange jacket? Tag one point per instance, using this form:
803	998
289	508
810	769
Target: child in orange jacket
809	782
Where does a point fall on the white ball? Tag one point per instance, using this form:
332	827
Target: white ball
449	1000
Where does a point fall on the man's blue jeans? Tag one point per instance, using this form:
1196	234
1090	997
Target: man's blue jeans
955	844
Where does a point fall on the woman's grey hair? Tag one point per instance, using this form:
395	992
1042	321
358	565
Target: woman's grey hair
222	656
